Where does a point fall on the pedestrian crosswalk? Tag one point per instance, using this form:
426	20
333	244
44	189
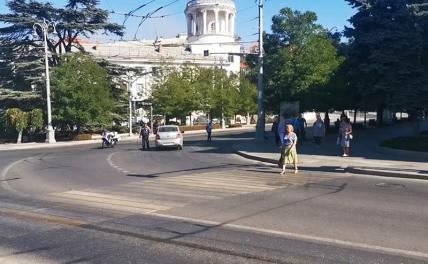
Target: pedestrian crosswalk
163	193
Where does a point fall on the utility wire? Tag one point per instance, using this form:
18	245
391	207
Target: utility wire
150	14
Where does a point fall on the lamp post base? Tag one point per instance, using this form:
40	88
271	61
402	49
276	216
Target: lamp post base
50	135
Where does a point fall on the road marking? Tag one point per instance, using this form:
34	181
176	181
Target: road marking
111	200
60	220
5	184
309	238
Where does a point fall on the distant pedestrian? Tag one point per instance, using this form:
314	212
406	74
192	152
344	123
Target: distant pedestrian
155	127
288	150
144	135
299	127
346	136
209	129
318	130
281	130
275	131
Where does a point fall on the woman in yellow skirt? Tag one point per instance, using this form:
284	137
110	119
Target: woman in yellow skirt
288	151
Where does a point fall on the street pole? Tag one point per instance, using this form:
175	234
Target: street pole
50	135
151	117
260	130
130	105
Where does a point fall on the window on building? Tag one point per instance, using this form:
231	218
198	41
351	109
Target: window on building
212	27
231	58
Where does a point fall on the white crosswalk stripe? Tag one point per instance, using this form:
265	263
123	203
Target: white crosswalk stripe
163	193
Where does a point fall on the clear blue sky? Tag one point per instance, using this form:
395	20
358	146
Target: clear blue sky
331	13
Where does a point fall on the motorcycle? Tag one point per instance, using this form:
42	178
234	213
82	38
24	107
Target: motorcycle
110	139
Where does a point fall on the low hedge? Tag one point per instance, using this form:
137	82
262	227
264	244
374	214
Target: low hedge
235	125
80	137
198	127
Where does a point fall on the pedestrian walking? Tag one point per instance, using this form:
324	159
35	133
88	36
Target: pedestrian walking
275	131
281	130
346	136
288	150
144	135
318	130
299	127
209	129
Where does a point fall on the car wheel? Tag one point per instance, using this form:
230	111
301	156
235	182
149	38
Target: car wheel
179	147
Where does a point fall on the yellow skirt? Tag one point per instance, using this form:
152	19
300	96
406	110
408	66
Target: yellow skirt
290	157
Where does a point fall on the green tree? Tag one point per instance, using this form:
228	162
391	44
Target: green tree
300	56
36	119
22	53
247	97
81	93
19	120
386	56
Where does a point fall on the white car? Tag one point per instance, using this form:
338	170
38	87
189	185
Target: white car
169	136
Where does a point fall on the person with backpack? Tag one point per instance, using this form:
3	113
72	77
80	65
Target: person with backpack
144	135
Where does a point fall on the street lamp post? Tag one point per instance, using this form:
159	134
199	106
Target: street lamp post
44	26
260	130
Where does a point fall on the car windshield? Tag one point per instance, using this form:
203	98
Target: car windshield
167	129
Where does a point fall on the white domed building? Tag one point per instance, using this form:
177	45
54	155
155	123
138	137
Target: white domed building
211	30
210	42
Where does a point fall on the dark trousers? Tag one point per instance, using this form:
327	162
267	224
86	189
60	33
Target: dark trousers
145	142
209	136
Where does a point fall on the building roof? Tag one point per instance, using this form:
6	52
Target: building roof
211	2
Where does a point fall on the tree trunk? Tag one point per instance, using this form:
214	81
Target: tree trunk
248	119
416	127
355	116
19	139
380	115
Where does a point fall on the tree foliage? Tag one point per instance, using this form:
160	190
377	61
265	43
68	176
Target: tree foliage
386	55
22	53
81	93
181	91
19	120
300	56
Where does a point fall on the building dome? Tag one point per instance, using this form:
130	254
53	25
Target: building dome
207	18
211	2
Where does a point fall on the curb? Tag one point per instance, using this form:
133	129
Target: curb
124	138
349	169
385	173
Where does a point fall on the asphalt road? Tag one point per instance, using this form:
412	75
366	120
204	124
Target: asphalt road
202	204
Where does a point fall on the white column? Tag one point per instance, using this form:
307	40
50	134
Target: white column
189	25
204	14
232	30
227	31
193	24
217	24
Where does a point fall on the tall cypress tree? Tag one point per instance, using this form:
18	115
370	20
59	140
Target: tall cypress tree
386	56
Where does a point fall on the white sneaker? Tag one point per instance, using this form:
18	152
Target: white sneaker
345	155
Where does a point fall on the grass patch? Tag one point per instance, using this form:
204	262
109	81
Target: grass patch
419	143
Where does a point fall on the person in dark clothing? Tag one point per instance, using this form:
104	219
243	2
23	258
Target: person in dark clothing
275	131
209	129
144	135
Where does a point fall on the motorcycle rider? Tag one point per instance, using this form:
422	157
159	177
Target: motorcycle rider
144	135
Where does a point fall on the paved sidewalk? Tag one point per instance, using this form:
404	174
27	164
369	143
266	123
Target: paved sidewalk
97	140
365	155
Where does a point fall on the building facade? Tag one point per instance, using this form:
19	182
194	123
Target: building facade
210	41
